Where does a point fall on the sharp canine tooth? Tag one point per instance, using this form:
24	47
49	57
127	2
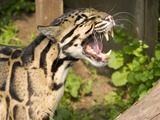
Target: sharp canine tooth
108	53
106	36
112	33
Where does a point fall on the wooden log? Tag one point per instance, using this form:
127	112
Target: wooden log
48	10
147	108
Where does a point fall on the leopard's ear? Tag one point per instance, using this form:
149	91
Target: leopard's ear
49	31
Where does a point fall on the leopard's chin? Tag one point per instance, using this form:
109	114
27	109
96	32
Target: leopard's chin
93	49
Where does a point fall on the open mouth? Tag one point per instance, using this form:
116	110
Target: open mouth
93	47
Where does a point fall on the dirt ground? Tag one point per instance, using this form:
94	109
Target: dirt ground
100	86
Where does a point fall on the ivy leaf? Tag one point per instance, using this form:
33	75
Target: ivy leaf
138	52
135	65
118	39
142	87
144	93
119	78
87	87
157	72
128	49
131	78
145	46
140	76
143	59
111	98
73	84
116	60
157	52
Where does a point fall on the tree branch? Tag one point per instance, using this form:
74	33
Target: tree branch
146	109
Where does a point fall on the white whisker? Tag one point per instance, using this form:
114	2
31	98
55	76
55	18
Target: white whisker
123	13
126	20
113	7
121	26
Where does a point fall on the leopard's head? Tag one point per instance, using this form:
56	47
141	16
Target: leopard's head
79	34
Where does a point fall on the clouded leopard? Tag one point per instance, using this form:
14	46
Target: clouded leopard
32	78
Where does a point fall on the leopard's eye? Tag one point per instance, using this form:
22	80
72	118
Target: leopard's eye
85	21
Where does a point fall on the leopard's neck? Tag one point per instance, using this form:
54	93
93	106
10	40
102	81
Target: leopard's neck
44	55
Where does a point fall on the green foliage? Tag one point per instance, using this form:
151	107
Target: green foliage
8	12
63	114
135	71
75	85
115	104
9	37
16	7
116	60
87	87
157	52
13	8
119	78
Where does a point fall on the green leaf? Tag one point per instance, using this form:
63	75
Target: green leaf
138	52
119	78
139	76
111	98
143	59
62	114
135	65
73	84
157	71
116	60
144	93
145	46
131	78
157	52
128	49
141	88
87	87
118	39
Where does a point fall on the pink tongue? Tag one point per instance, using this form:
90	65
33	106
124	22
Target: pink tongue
96	46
